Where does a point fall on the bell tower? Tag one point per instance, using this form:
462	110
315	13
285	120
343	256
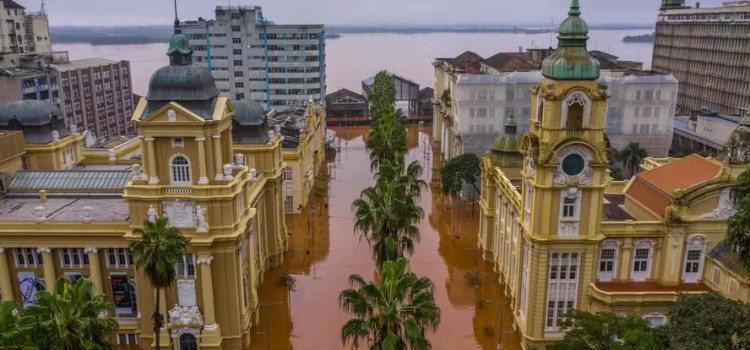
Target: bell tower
564	177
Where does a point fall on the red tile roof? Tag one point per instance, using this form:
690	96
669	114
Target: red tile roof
655	188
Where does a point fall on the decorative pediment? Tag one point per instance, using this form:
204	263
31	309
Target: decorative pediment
724	209
173	112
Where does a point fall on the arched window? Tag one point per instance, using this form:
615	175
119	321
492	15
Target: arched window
188	342
576	111
608	253
695	252
539	108
180	169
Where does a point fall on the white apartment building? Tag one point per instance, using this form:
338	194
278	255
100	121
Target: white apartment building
279	66
640	109
22	32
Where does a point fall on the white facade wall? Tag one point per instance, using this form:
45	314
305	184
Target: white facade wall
276	65
640	109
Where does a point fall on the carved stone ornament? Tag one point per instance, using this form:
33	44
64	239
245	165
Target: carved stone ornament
188	316
186	292
171	115
152	213
530	167
725	208
586	175
202	222
180	213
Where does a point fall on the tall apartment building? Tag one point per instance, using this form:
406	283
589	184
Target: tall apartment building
279	66
93	94
22	32
708	51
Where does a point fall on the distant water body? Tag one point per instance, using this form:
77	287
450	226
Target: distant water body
354	57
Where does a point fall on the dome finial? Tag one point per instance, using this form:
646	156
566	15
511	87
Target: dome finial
510	125
575	9
571	60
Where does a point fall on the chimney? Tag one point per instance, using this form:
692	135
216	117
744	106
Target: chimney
697	4
42	196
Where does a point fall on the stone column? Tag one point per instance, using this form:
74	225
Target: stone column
203	180
95	270
217	158
211	332
5	286
49	268
154	177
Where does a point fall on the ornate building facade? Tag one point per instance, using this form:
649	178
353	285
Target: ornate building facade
217	177
564	236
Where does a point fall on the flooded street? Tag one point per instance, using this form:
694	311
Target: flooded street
324	251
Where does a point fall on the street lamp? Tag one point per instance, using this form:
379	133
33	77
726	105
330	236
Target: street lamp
267	333
502	313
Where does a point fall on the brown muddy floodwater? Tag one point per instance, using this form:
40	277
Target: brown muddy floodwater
324	251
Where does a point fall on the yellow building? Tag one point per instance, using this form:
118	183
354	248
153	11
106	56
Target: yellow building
564	236
49	144
11	154
224	196
304	131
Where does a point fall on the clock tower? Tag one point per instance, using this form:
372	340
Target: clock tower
565	170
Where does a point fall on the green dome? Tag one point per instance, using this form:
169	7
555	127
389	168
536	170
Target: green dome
179	43
571	60
506	150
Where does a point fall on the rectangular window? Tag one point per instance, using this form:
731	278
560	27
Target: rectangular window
239	96
236	29
119	257
649	95
237	51
238	63
236	40
238	74
186	267
28	257
562	292
658	95
127	339
239	85
641	260
606	260
638	95
482	112
693	261
73	257
569	207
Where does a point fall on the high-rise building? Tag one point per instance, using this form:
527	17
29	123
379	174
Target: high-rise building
95	95
707	50
22	32
279	66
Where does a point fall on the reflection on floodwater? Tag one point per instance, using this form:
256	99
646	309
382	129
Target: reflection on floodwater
324	251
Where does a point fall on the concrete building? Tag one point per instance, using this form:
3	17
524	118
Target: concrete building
96	95
278	66
478	96
564	236
706	132
23	32
224	195
345	103
708	51
93	94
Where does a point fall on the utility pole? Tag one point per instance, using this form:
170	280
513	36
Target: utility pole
502	314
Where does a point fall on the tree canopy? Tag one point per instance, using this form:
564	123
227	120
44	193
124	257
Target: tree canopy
460	170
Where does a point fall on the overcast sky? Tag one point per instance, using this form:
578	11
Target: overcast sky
355	12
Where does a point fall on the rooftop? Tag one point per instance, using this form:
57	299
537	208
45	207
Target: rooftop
62	209
614	208
70	180
10	4
81	64
655	188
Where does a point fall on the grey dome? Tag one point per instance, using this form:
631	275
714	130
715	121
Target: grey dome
29	112
248	112
182	83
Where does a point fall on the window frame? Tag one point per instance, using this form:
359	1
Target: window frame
184	178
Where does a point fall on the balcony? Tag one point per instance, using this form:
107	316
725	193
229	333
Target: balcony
629	293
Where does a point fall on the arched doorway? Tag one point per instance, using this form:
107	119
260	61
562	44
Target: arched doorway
188	342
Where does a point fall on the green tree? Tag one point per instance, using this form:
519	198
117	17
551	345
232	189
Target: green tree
12	335
458	171
382	95
632	156
410	177
391	315
387	139
387	220
708	322
605	331
156	251
738	225
70	317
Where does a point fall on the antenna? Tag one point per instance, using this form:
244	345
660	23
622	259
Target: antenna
176	20
551	30
42	11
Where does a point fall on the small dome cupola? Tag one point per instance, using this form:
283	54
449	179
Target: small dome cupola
571	60
506	150
180	53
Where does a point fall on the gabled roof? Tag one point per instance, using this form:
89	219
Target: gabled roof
463	60
511	61
655	188
426	93
341	93
10	4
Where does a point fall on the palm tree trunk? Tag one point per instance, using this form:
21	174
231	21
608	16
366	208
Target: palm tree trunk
157	319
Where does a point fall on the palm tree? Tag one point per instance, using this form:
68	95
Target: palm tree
410	177
160	246
393	314
632	156
383	211
70	317
12	335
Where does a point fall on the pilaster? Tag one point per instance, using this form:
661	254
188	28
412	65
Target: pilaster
217	158
49	268
211	336
153	175
95	270
203	180
5	286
